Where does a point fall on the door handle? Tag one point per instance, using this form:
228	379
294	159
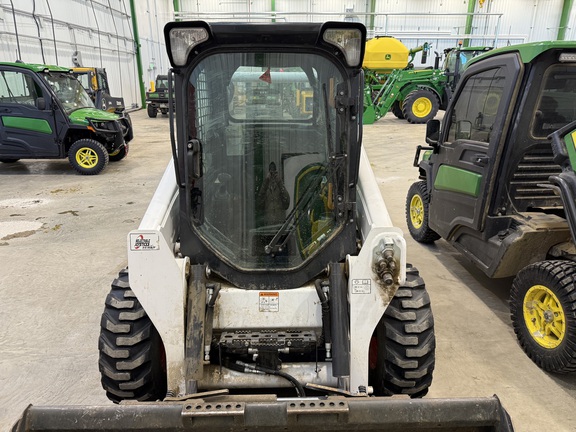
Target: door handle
5	110
481	160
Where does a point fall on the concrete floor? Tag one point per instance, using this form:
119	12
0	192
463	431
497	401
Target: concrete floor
63	240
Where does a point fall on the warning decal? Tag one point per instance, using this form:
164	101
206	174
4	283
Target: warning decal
269	301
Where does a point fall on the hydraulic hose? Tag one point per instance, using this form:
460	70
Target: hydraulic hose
240	366
299	389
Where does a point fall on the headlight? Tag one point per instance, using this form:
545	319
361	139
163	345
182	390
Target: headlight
349	41
183	40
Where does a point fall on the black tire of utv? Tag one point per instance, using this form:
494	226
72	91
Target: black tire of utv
422	234
410	100
130	133
132	359
97	148
165	112
115	157
152	113
560	278
9	160
406	342
397	110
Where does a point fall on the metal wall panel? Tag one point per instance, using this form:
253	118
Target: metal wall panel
152	16
51	31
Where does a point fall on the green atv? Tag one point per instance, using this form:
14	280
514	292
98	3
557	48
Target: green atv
493	186
45	113
157	99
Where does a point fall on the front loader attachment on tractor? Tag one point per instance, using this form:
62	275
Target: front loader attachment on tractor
266	412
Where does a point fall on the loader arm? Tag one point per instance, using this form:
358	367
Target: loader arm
258	413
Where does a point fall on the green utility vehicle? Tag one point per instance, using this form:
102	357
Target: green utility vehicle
417	94
157	98
95	82
45	113
492	185
266	288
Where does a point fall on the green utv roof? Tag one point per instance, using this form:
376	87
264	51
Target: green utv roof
528	51
36	67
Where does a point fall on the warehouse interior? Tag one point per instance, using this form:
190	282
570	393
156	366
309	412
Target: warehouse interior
126	38
65	238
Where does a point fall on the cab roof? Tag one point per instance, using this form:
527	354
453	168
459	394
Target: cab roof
528	51
36	67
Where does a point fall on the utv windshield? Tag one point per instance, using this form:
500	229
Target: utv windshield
267	126
69	91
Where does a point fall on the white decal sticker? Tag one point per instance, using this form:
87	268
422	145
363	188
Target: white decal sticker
361	286
269	301
144	241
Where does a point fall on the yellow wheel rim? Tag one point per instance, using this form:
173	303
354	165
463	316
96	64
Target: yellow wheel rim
544	316
422	107
416	212
86	157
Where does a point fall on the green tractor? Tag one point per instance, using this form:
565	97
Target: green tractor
417	94
45	113
497	182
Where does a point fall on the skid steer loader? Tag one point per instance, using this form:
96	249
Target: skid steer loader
267	288
492	185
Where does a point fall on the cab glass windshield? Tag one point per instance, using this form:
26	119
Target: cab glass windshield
69	91
267	126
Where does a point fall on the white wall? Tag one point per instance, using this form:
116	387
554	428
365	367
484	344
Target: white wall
50	31
101	30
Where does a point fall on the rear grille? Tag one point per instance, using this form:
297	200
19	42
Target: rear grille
534	169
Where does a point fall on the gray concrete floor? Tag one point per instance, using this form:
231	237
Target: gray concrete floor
63	240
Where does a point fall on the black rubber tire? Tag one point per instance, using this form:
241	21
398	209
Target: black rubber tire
152	112
418	193
130	132
132	359
397	110
88	167
410	107
164	112
406	344
121	154
559	277
9	160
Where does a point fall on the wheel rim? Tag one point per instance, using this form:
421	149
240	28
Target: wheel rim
86	157
416	212
544	317
422	107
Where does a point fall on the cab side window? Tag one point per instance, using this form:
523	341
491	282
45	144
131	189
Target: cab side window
475	112
18	88
103	82
555	107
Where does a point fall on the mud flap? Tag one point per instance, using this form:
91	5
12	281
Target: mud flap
267	413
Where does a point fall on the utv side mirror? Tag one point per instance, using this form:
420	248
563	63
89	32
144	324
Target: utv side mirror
432	132
41	103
